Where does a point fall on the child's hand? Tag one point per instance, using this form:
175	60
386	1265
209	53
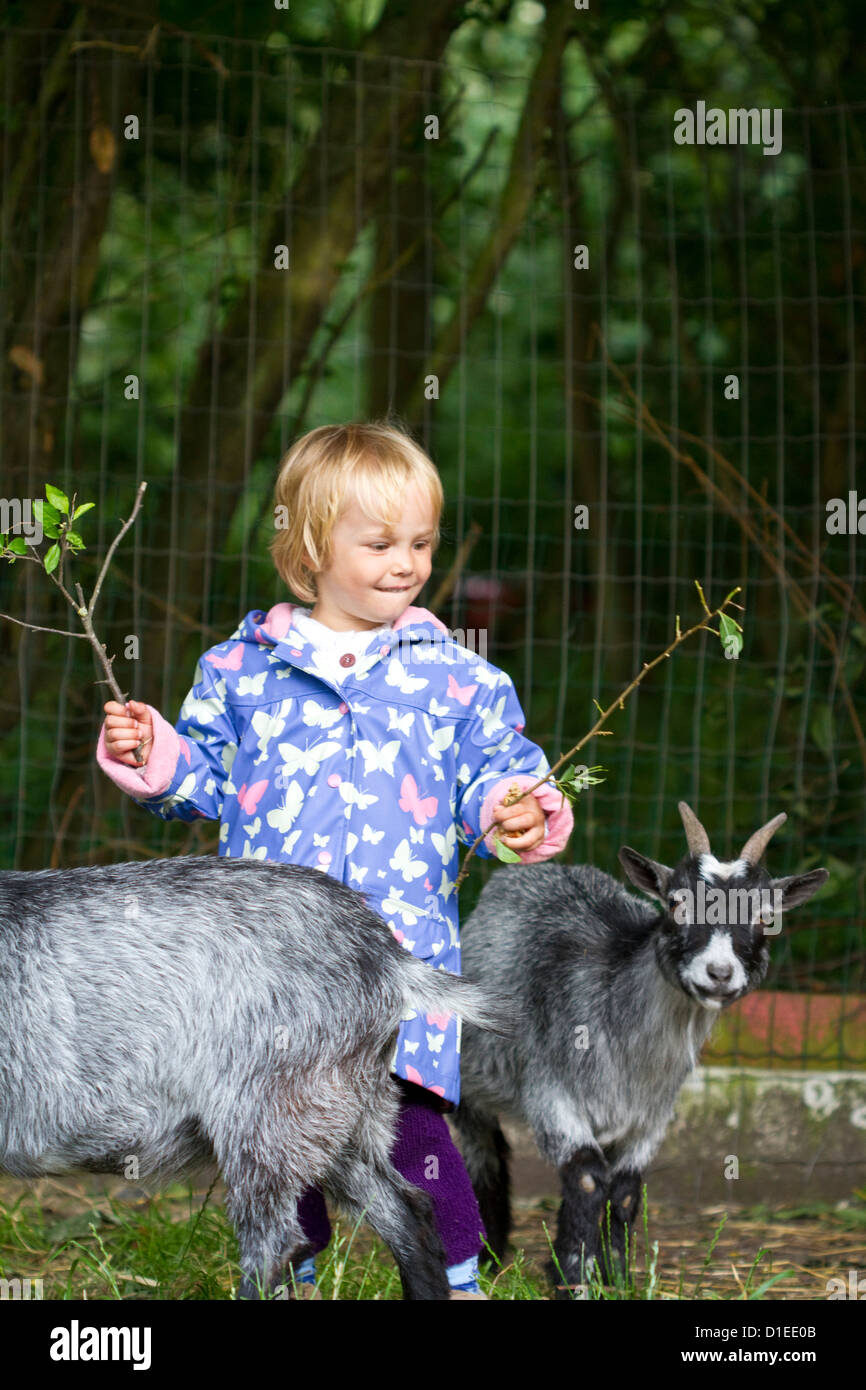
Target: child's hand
521	824
125	728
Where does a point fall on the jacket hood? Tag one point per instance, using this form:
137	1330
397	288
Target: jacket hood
272	626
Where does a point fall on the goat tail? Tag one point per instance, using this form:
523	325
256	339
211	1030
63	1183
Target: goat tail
440	991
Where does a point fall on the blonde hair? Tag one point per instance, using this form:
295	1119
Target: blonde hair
323	470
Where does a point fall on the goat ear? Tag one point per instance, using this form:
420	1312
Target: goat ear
799	888
646	873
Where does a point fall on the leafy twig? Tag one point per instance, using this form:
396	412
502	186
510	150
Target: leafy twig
50	514
729	633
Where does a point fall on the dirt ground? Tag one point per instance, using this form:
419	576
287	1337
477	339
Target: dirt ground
813	1249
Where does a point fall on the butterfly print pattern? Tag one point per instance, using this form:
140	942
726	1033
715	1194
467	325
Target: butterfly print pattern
375	775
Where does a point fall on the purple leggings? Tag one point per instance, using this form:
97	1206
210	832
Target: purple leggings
422	1135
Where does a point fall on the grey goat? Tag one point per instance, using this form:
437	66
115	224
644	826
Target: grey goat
615	999
156	1016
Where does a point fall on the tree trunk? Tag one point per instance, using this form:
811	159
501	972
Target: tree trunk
244	370
401	307
59	157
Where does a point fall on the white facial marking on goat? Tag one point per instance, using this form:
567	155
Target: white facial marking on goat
709	865
587	1182
720	952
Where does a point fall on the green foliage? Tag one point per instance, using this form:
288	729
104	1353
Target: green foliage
699	261
58	500
575	778
731	635
50	514
508	856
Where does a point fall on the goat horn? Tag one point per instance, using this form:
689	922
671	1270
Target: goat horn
754	847
697	838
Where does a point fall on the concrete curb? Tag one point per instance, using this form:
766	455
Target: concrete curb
741	1136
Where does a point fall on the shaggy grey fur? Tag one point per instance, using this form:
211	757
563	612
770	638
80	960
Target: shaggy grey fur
616	1000
155	1016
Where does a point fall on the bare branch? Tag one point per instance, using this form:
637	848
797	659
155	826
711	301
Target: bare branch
58	632
142	487
447	585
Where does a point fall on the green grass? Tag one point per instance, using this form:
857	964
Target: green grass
177	1246
118	1249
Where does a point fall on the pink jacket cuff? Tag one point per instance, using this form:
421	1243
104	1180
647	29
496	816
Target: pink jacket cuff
559	823
158	771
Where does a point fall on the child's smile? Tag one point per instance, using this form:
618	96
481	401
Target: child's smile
375	572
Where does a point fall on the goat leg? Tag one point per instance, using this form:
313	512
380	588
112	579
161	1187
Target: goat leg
625	1188
270	1239
577	1246
401	1214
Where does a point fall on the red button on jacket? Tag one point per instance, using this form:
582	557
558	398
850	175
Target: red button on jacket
347	659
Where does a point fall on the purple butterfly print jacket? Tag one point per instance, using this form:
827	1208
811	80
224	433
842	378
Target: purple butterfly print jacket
372	768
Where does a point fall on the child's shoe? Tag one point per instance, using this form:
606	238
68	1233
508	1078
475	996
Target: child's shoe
305	1285
463	1279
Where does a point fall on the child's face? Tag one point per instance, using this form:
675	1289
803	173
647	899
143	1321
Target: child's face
375	574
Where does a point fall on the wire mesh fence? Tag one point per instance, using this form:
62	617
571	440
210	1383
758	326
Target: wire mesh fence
634	361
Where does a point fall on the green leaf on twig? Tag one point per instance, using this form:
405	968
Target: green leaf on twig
79	511
576	779
730	635
44	512
508	856
52	559
57	498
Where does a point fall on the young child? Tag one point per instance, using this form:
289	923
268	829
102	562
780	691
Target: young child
359	738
